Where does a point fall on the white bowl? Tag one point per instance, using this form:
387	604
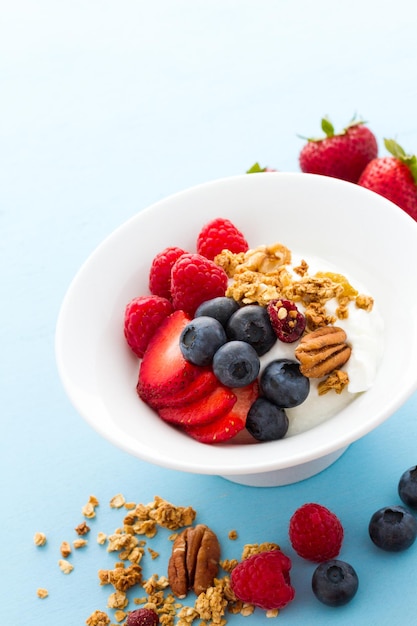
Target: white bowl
351	227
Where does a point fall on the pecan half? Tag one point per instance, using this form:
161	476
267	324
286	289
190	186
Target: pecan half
194	561
322	351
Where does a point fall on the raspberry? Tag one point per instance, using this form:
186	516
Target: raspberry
142	617
263	580
160	271
143	315
220	234
316	534
195	279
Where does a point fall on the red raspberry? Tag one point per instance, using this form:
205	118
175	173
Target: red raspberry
263	580
316	534
160	272
220	234
195	279
142	617
143	315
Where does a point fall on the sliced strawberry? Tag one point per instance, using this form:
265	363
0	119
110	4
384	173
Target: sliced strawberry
202	385
203	411
163	370
227	426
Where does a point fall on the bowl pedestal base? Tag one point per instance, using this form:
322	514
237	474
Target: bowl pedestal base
287	476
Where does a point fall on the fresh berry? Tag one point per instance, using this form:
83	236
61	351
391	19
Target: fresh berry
160	271
143	315
220	308
394	177
283	384
251	323
344	155
335	582
229	425
195	279
203	384
164	371
201	338
287	321
202	411
407	487
218	235
263	579
236	364
393	528
316	534
266	421
142	617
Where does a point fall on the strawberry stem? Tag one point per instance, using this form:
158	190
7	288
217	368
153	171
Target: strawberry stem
255	169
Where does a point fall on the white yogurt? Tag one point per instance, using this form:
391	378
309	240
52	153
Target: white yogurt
364	332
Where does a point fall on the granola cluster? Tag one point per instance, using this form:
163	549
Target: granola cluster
264	274
209	608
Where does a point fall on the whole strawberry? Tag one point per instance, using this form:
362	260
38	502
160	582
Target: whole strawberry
263	580
394	177
316	534
341	155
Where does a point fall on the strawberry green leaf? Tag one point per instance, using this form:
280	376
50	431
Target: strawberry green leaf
327	127
410	160
255	169
394	148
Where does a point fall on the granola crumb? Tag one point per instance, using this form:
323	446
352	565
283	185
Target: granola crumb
121	577
233	535
79	543
130	505
117	600
364	302
120	616
98	618
272	613
337	381
101	538
42	593
117	501
82	529
65	549
39	539
154	554
255	548
88	510
65	566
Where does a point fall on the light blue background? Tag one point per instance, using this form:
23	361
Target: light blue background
106	107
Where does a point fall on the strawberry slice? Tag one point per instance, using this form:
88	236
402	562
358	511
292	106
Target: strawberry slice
201	386
227	426
203	411
163	371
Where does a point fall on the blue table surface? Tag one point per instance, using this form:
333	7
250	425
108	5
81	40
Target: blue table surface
106	108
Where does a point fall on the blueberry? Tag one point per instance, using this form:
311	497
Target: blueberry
283	383
407	487
266	421
200	339
220	308
251	323
236	364
393	528
335	582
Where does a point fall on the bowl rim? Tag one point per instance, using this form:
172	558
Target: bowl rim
312	444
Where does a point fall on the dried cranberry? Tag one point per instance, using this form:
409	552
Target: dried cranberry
287	321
